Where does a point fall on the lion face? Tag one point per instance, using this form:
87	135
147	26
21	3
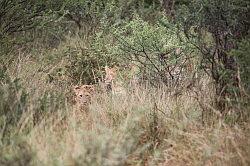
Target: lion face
111	74
83	94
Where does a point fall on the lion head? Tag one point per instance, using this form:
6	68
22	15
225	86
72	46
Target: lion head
83	94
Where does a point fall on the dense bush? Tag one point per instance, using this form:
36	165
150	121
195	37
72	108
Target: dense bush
242	54
214	27
15	106
163	54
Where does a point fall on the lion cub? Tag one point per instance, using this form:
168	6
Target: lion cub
112	82
83	95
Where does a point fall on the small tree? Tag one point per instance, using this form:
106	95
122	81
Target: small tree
20	18
214	26
159	51
18	15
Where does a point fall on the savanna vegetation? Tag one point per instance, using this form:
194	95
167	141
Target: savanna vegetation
182	65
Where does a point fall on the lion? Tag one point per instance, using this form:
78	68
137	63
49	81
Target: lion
83	95
110	77
112	83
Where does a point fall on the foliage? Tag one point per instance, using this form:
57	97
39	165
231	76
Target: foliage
15	104
161	52
213	27
20	22
17	16
242	55
166	118
243	60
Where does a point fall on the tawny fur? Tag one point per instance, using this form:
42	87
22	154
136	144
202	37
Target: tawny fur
83	95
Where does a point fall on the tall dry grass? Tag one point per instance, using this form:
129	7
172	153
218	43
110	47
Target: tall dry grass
145	126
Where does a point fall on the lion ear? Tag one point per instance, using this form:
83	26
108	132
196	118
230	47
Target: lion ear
76	88
107	69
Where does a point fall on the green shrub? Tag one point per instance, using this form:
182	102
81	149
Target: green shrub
86	63
19	109
243	57
162	53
